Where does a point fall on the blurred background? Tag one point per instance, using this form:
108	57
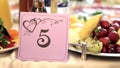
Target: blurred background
74	6
14	8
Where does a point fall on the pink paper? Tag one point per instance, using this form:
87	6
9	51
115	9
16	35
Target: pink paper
43	37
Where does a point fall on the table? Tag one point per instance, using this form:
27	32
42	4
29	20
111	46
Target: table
9	60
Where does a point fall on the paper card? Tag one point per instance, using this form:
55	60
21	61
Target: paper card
43	37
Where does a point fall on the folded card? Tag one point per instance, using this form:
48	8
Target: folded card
43	37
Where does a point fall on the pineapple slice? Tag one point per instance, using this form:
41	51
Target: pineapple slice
89	26
118	42
73	36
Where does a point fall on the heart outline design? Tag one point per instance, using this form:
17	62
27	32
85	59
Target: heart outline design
30	24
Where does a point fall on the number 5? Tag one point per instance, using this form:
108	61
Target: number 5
41	41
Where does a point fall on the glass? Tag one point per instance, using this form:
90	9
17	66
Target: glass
25	5
32	6
38	6
5	14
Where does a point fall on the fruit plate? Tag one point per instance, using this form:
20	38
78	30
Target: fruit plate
71	48
8	49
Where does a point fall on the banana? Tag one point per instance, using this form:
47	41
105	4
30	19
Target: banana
89	26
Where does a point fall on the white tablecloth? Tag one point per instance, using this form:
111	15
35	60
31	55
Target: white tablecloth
9	60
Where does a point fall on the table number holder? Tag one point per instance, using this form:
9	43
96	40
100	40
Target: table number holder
31	25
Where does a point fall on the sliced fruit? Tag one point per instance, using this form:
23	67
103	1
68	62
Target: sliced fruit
89	26
13	33
95	48
77	29
73	36
118	42
93	45
74	19
74	25
77	26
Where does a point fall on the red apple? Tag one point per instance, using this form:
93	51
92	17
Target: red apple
105	24
113	36
105	41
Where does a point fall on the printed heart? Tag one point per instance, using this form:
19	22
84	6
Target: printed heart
30	25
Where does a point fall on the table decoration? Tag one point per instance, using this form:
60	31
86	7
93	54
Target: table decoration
43	36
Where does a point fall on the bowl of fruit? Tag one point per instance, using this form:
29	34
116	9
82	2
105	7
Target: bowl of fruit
102	36
8	38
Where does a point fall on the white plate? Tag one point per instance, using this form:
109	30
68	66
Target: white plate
96	54
8	49
15	26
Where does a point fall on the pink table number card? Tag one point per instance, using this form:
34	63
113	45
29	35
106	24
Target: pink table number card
43	37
